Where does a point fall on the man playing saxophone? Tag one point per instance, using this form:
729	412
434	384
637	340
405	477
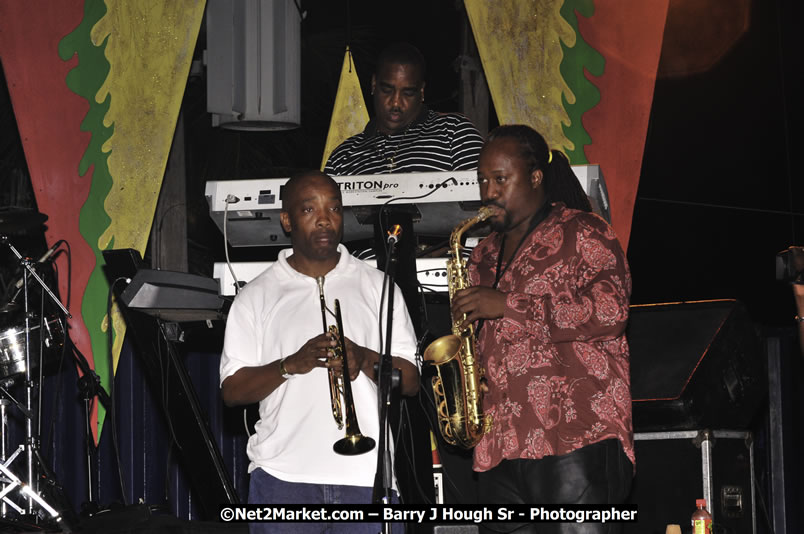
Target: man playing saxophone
549	299
277	353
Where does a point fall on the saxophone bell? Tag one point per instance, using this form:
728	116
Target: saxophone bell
456	384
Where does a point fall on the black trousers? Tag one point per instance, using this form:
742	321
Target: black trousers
596	474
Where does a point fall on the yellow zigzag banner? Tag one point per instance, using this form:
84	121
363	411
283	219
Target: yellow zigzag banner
349	115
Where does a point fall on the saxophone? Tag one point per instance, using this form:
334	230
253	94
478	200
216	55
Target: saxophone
456	384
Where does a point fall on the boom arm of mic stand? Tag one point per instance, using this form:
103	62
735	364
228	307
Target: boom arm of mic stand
32	272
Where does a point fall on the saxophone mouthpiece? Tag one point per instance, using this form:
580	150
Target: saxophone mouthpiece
485	212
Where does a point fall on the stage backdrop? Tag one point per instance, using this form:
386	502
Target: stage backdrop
582	73
96	88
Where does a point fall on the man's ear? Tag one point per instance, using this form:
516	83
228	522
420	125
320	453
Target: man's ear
373	83
422	90
284	219
536	178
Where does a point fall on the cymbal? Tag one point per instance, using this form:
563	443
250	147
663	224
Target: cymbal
20	221
9	307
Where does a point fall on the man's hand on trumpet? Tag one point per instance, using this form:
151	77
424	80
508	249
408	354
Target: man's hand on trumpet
364	359
360	359
317	352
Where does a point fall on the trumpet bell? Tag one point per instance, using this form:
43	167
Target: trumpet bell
353	445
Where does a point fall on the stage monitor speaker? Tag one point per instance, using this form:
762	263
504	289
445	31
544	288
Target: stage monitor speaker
694	365
164	369
173	296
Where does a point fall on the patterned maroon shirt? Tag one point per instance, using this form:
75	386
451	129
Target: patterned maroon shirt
557	361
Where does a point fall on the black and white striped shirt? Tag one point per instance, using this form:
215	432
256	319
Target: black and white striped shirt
432	142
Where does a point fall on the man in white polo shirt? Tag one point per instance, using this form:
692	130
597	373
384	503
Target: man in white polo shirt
276	353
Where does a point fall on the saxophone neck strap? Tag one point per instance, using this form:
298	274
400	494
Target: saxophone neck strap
537	218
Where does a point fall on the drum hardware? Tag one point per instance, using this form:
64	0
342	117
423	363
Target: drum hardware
9	307
4	404
10	482
12	345
7	400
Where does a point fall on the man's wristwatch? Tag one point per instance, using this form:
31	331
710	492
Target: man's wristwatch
282	370
799	319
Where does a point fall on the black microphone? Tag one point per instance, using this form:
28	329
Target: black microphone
52	250
393	234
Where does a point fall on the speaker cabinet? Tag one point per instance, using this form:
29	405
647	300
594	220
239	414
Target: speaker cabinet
694	365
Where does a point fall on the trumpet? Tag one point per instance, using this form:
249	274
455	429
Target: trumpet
340	385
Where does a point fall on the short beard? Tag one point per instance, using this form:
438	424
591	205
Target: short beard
501	225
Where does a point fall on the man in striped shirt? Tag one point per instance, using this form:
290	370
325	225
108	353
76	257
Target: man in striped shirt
404	135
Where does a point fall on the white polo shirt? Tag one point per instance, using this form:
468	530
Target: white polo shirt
272	317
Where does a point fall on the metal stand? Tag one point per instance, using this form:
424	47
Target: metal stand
387	379
10	481
4	404
90	387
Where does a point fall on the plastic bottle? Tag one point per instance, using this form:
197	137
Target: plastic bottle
701	519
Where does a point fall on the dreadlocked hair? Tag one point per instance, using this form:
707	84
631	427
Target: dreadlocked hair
560	183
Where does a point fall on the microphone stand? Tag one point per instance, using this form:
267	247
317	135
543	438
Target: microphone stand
29	270
31	446
387	379
89	386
